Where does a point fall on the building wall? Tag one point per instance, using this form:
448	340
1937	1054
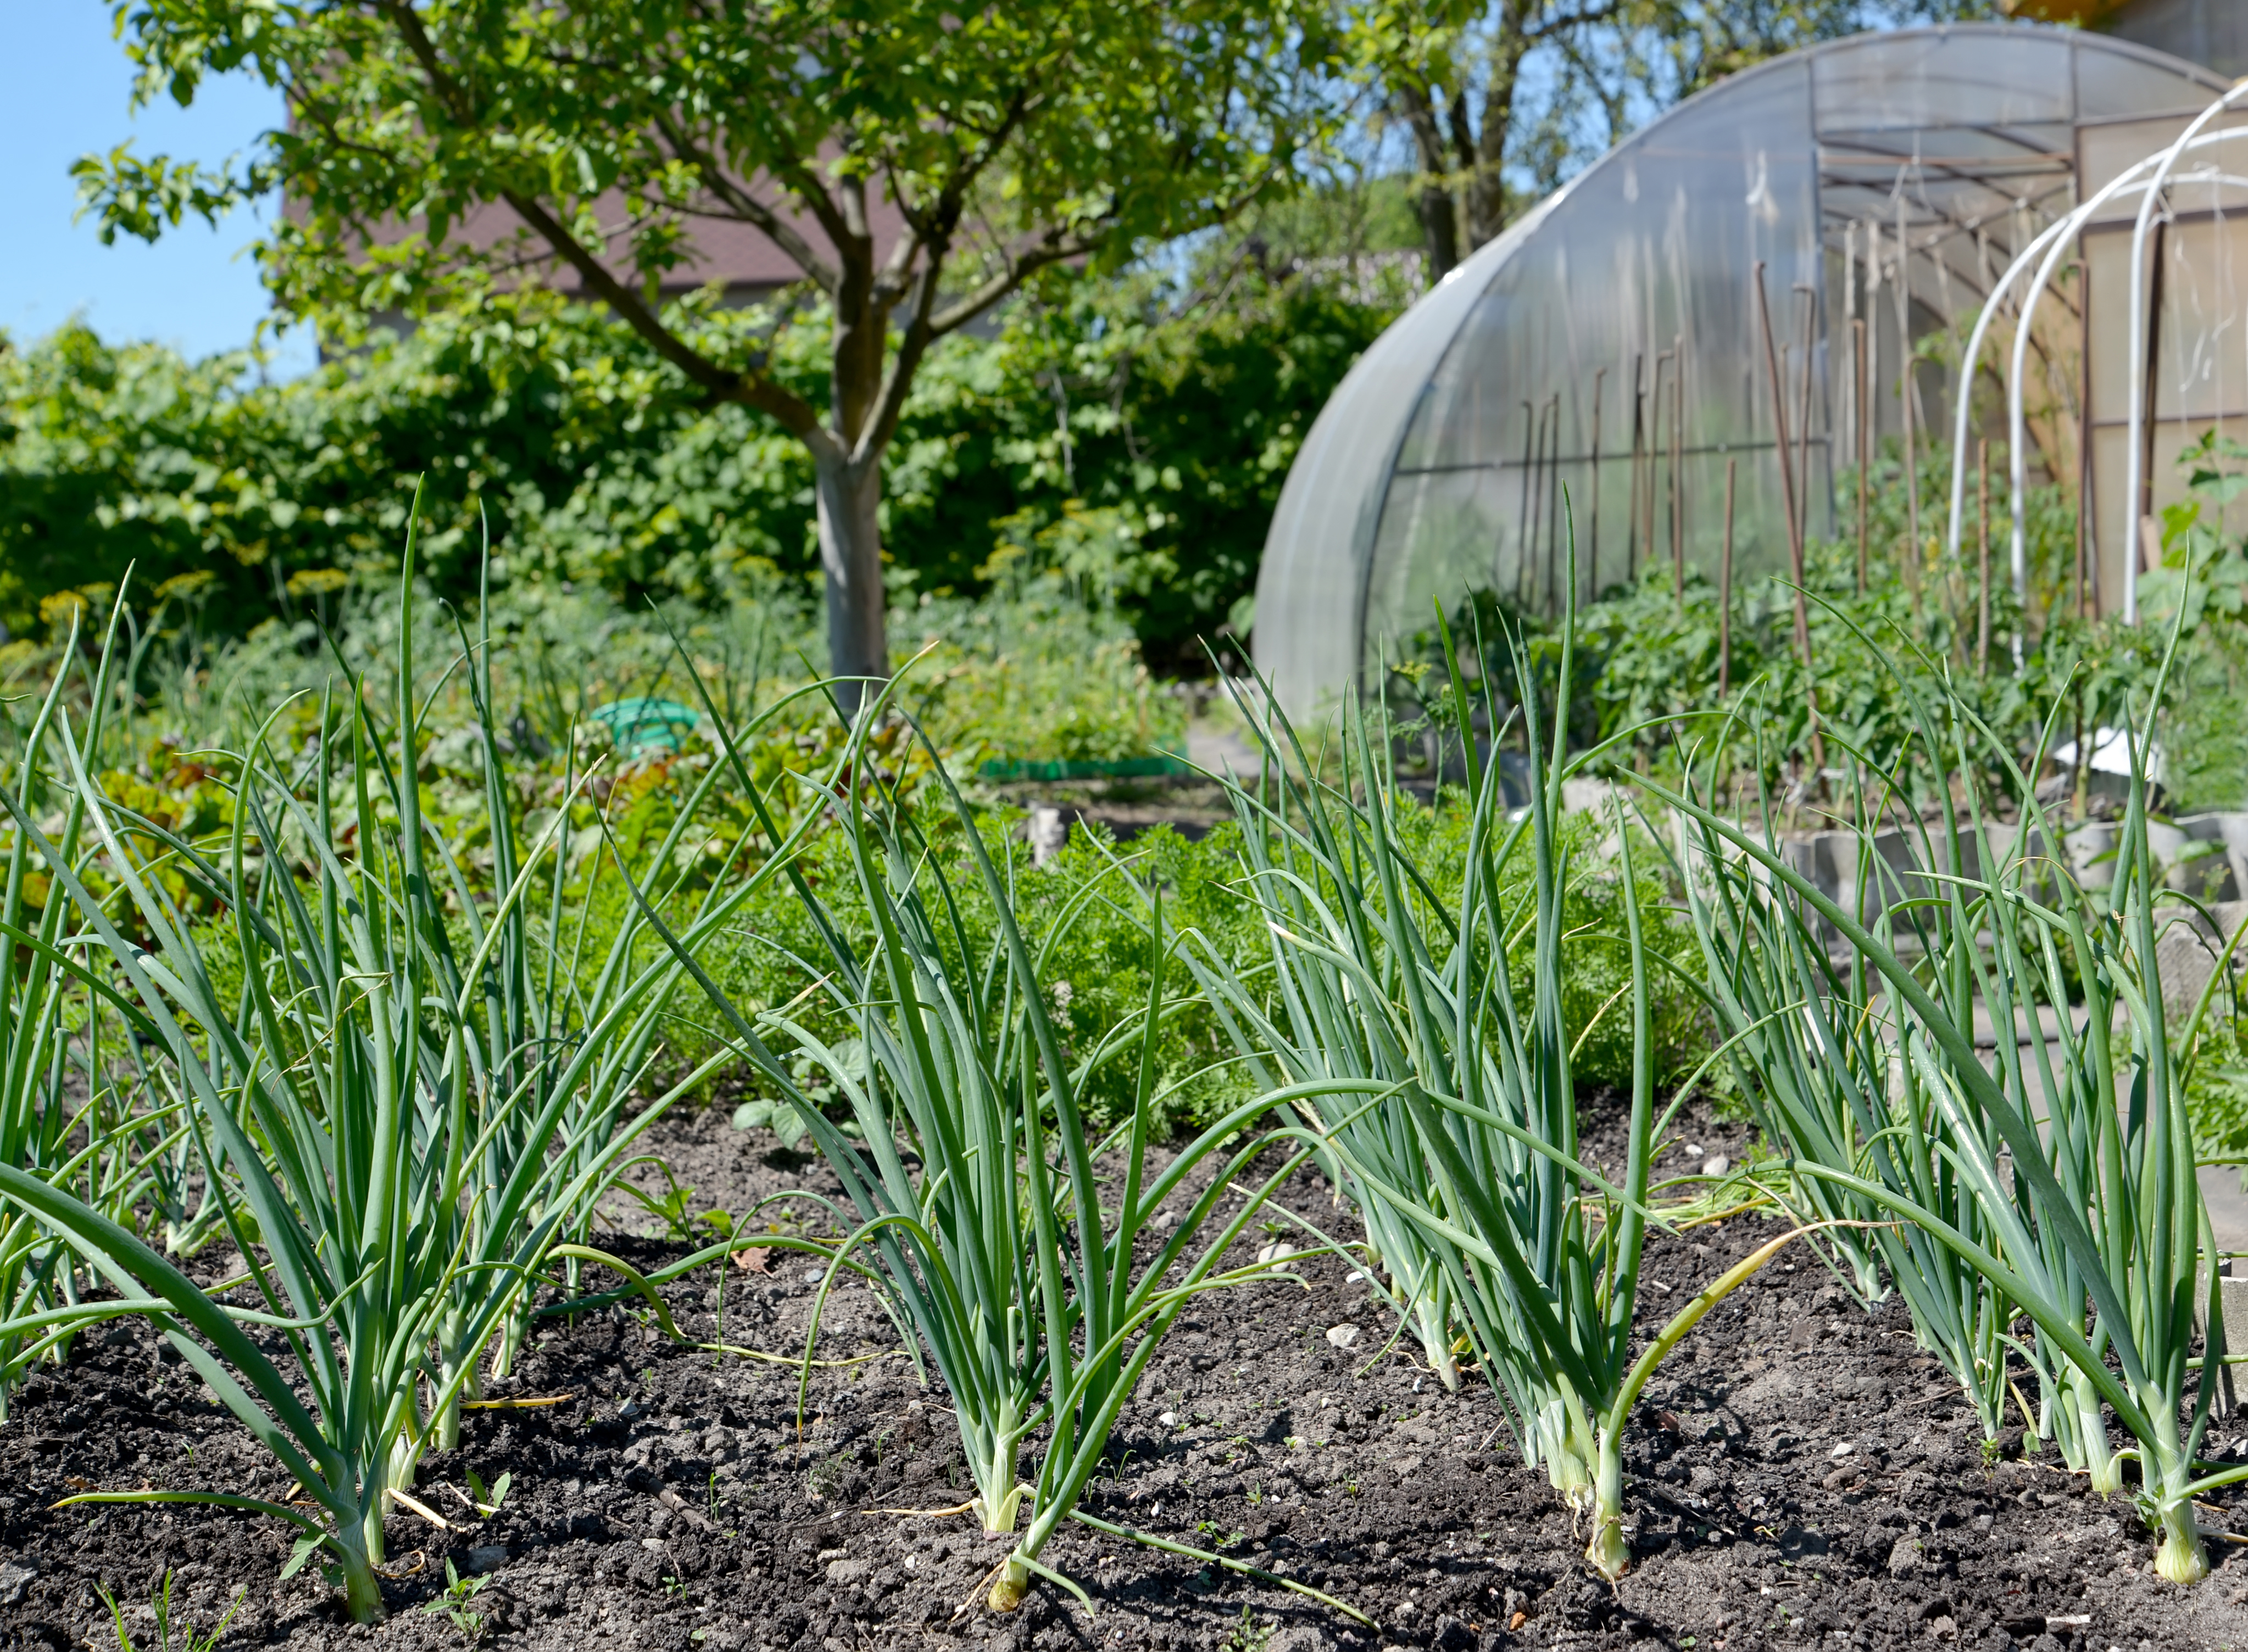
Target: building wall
2213	33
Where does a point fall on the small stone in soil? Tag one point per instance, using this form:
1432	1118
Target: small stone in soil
1716	1164
1342	1335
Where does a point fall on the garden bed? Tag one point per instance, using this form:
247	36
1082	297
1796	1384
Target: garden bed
1801	1476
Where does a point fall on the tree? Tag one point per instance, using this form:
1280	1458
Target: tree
438	150
1501	99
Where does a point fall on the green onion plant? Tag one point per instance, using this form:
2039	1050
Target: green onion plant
1832	1078
1014	1243
68	1111
2071	1141
555	1058
396	1126
1466	1163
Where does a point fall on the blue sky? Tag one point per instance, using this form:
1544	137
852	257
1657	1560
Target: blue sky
69	92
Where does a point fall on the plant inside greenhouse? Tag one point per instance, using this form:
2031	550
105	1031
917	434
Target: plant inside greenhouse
1252	827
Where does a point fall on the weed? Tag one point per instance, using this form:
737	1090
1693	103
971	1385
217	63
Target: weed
487	1499
170	1636
1248	1635
670	1207
455	1603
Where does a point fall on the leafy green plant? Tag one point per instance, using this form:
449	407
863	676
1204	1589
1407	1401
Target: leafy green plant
1248	1635
456	1604
2202	583
1644	659
485	1499
777	1117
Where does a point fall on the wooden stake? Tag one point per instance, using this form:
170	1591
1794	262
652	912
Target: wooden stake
1983	574
1725	592
1677	481
1865	444
1850	318
1554	513
1787	501
1525	570
1638	445
1904	284
1522	519
1654	445
1592	569
1786	470
2086	593
1803	414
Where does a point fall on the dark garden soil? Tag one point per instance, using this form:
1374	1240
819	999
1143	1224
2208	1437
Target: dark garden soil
1801	1476
1188	804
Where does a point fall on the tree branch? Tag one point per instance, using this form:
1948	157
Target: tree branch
931	238
1054	247
893	278
747	207
1569	21
752	388
933	229
815	200
1433	203
307	108
449	92
1015	269
889	407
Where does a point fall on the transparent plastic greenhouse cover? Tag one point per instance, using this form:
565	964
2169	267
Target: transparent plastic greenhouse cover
1609	343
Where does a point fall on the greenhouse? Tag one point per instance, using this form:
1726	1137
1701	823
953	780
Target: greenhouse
1686	351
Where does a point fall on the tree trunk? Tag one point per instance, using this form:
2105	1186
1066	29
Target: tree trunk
1432	202
850	556
1487	196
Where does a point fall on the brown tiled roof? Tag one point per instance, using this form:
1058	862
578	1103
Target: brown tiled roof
728	252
